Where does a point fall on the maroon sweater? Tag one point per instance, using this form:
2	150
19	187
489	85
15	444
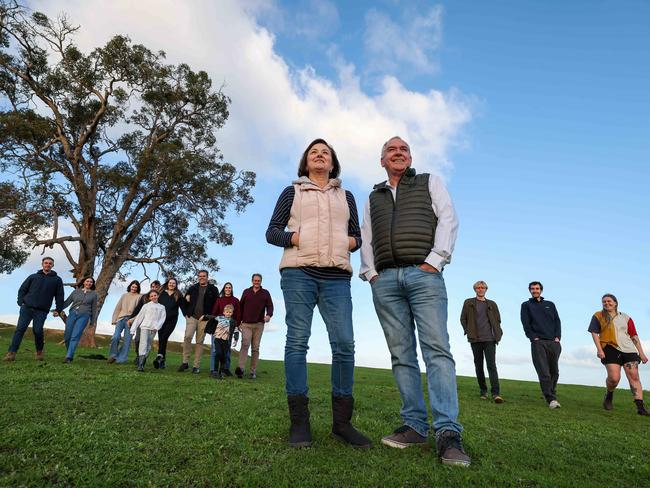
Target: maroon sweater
254	304
221	302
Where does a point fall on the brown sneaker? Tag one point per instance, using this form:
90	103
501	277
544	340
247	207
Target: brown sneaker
10	356
498	399
450	449
404	437
111	360
40	356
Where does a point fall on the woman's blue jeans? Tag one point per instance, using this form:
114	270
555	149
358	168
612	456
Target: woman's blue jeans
302	293
120	354
74	327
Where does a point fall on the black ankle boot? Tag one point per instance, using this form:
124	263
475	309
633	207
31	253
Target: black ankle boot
299	432
342	408
608	402
640	408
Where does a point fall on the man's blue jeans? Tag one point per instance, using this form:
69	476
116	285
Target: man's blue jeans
301	294
405	299
121	354
27	315
74	327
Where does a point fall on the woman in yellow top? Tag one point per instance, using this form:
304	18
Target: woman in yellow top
618	345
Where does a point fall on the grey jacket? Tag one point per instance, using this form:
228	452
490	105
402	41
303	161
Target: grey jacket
83	303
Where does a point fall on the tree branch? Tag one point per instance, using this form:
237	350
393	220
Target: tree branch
58	240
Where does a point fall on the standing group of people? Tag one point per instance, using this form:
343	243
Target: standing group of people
407	237
614	334
205	308
138	318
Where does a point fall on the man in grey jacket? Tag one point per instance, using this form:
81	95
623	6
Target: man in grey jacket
481	322
35	298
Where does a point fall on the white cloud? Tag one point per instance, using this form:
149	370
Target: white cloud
276	110
410	40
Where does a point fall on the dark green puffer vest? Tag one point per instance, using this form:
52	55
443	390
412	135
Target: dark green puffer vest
402	231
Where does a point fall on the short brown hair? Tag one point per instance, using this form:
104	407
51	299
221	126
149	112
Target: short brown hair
336	166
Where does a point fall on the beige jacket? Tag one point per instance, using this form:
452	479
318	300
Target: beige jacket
125	306
321	217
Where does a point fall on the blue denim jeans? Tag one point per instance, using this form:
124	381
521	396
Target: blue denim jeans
405	299
27	315
301	294
120	354
74	327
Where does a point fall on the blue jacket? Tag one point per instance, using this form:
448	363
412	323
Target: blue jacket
39	289
540	319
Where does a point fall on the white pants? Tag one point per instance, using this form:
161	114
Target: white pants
146	341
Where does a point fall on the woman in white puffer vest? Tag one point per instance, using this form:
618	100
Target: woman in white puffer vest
317	224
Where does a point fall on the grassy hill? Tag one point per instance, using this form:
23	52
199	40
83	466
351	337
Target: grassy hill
93	424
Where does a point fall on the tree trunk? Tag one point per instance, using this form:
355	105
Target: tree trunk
86	268
110	267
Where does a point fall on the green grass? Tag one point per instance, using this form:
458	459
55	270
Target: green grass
91	424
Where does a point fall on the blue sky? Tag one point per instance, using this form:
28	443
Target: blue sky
535	113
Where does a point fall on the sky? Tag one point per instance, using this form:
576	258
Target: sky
535	114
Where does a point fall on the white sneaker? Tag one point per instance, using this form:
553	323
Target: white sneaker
554	404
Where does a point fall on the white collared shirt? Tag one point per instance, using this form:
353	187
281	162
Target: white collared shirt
446	230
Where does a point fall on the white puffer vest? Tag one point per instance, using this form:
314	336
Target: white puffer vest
321	217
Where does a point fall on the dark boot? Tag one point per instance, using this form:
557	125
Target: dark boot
608	402
141	361
640	408
299	432
342	407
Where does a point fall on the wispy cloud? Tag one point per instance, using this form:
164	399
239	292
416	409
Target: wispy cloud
409	40
314	19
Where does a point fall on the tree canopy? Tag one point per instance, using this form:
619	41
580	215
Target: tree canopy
115	144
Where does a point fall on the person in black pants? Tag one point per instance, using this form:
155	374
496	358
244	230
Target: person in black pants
172	299
481	322
542	326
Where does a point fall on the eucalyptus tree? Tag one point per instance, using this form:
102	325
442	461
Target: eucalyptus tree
110	155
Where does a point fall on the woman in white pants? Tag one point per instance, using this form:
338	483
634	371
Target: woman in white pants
150	319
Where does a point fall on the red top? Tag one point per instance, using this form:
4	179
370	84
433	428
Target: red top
254	304
221	302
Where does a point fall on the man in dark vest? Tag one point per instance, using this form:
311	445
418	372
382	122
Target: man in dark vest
408	234
481	322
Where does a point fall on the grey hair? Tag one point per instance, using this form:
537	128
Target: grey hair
480	283
383	148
